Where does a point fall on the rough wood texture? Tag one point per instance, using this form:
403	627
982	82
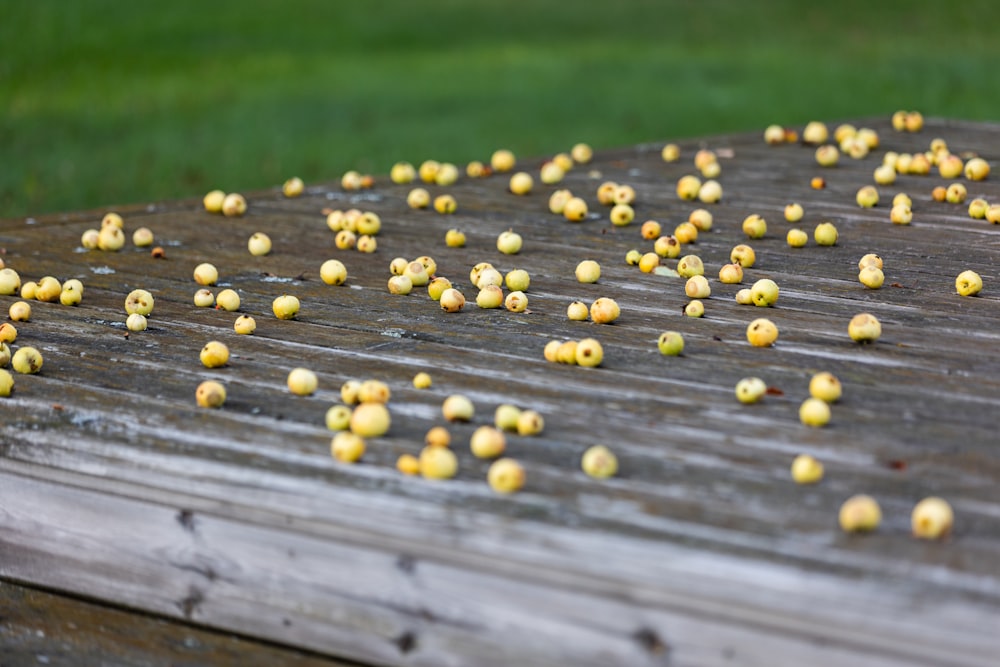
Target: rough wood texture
115	486
39	628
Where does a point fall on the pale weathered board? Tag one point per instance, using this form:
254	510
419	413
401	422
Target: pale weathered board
115	486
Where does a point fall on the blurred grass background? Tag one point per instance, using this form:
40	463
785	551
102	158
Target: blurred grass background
105	102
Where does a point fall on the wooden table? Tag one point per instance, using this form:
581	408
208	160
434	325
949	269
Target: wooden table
134	524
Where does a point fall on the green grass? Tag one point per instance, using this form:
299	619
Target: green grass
108	103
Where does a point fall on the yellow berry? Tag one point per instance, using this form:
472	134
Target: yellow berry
762	332
806	470
589	353
505	476
408	464
6	383
690	265
27	360
228	300
349	391
604	310
338	418
302	381
370	420
796	238
860	514
754	226
452	300
204	298
825	234
438	463
864	328
577	311
505	417
575	209
213	201
502	160
667	246
139	301
20	311
599	461
437	436
454	238
8	333
210	394
648	262
214	354
234	205
259	244
142	237
333	272
347	447
458	408
530	422
285	307
825	386
588	271
402	173
521	183
814	412
110	238
445	204
418	198
932	518
421	380
670	343
487	442
750	390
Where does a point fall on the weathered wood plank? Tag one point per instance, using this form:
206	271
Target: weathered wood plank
702	541
39	628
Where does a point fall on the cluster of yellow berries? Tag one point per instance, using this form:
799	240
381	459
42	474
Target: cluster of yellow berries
111	235
587	352
355	229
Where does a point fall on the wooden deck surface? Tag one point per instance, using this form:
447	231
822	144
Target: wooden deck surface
118	491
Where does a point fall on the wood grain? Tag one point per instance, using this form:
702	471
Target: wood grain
116	486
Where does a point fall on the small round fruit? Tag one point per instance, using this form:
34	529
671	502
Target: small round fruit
370	420
978	208
110	238
445	204
48	289
871	277
932	518
210	394
867	196
245	325
743	297
26	360
575	209
530	422
558	199
806	469
402	173
764	293
826	234
214	354
452	300
621	215
437	436
487	442
90	238
588	271
20	311
458	408
437	286
794	212
490	296
814	412
401	285
338	418
302	381
204	298
670	343
206	274
505	417
333	272
731	274
136	322
864	328
234	205
142	237
521	183
796	238
502	160
517	280
686	232
8	333
418	198
825	386
743	255
754	226
505	476
589	353
648	262
968	283
827	155
422	380
667	246
581	153
750	390
345	239
139	301
670	153
516	302
70	295
650	230
577	311
454	238
509	242
599	462
285	307
438	463
956	193
374	391
6	383
762	332
900	214
977	169
815	132
349	391
347	447
259	244
860	514
213	201
871	259
697	287
228	300
604	310
408	464
690	265
688	187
